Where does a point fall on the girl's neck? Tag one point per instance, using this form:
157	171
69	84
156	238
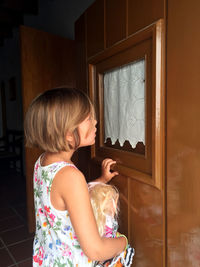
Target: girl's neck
50	157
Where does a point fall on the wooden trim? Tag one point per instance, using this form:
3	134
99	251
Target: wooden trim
92	81
129	210
158	170
164	181
129	172
105	22
126	18
155	33
135	38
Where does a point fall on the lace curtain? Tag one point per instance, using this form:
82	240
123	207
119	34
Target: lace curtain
124	104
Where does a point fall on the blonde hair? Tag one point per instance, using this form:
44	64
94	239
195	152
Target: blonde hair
105	202
52	115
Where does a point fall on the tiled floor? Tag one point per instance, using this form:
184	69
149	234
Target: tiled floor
15	240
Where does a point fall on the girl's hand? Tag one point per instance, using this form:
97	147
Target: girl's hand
106	174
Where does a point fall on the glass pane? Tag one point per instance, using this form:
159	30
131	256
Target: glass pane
124	105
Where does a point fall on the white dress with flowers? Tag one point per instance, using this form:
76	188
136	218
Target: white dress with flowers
55	243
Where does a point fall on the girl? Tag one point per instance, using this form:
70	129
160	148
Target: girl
59	121
105	203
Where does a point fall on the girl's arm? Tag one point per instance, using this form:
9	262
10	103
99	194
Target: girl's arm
72	188
106	174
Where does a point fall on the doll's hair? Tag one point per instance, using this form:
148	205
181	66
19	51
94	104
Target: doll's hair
53	114
105	202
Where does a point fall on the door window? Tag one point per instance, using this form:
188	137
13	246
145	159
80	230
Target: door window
126	86
124	105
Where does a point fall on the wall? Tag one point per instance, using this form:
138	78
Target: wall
56	17
10	67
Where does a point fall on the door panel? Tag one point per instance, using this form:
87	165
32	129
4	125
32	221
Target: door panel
95	16
47	61
146	224
122	184
115	17
142	13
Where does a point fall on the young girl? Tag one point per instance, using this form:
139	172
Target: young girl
105	203
59	121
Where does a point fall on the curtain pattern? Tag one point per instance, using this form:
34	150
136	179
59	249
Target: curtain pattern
124	104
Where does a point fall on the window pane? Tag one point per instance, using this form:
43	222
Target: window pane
124	104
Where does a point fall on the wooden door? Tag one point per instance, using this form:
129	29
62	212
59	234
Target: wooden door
112	35
163	224
141	169
47	61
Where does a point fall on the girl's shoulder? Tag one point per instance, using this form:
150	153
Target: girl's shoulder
57	170
69	171
53	165
70	177
70	182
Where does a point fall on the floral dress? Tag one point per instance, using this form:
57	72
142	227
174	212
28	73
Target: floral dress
125	258
55	243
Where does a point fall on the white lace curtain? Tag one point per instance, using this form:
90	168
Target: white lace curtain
124	104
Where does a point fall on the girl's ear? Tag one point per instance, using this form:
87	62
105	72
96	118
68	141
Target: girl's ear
69	137
70	140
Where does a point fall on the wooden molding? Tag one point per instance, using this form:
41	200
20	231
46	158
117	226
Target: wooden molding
149	44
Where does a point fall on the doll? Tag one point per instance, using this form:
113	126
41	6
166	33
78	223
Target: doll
105	204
